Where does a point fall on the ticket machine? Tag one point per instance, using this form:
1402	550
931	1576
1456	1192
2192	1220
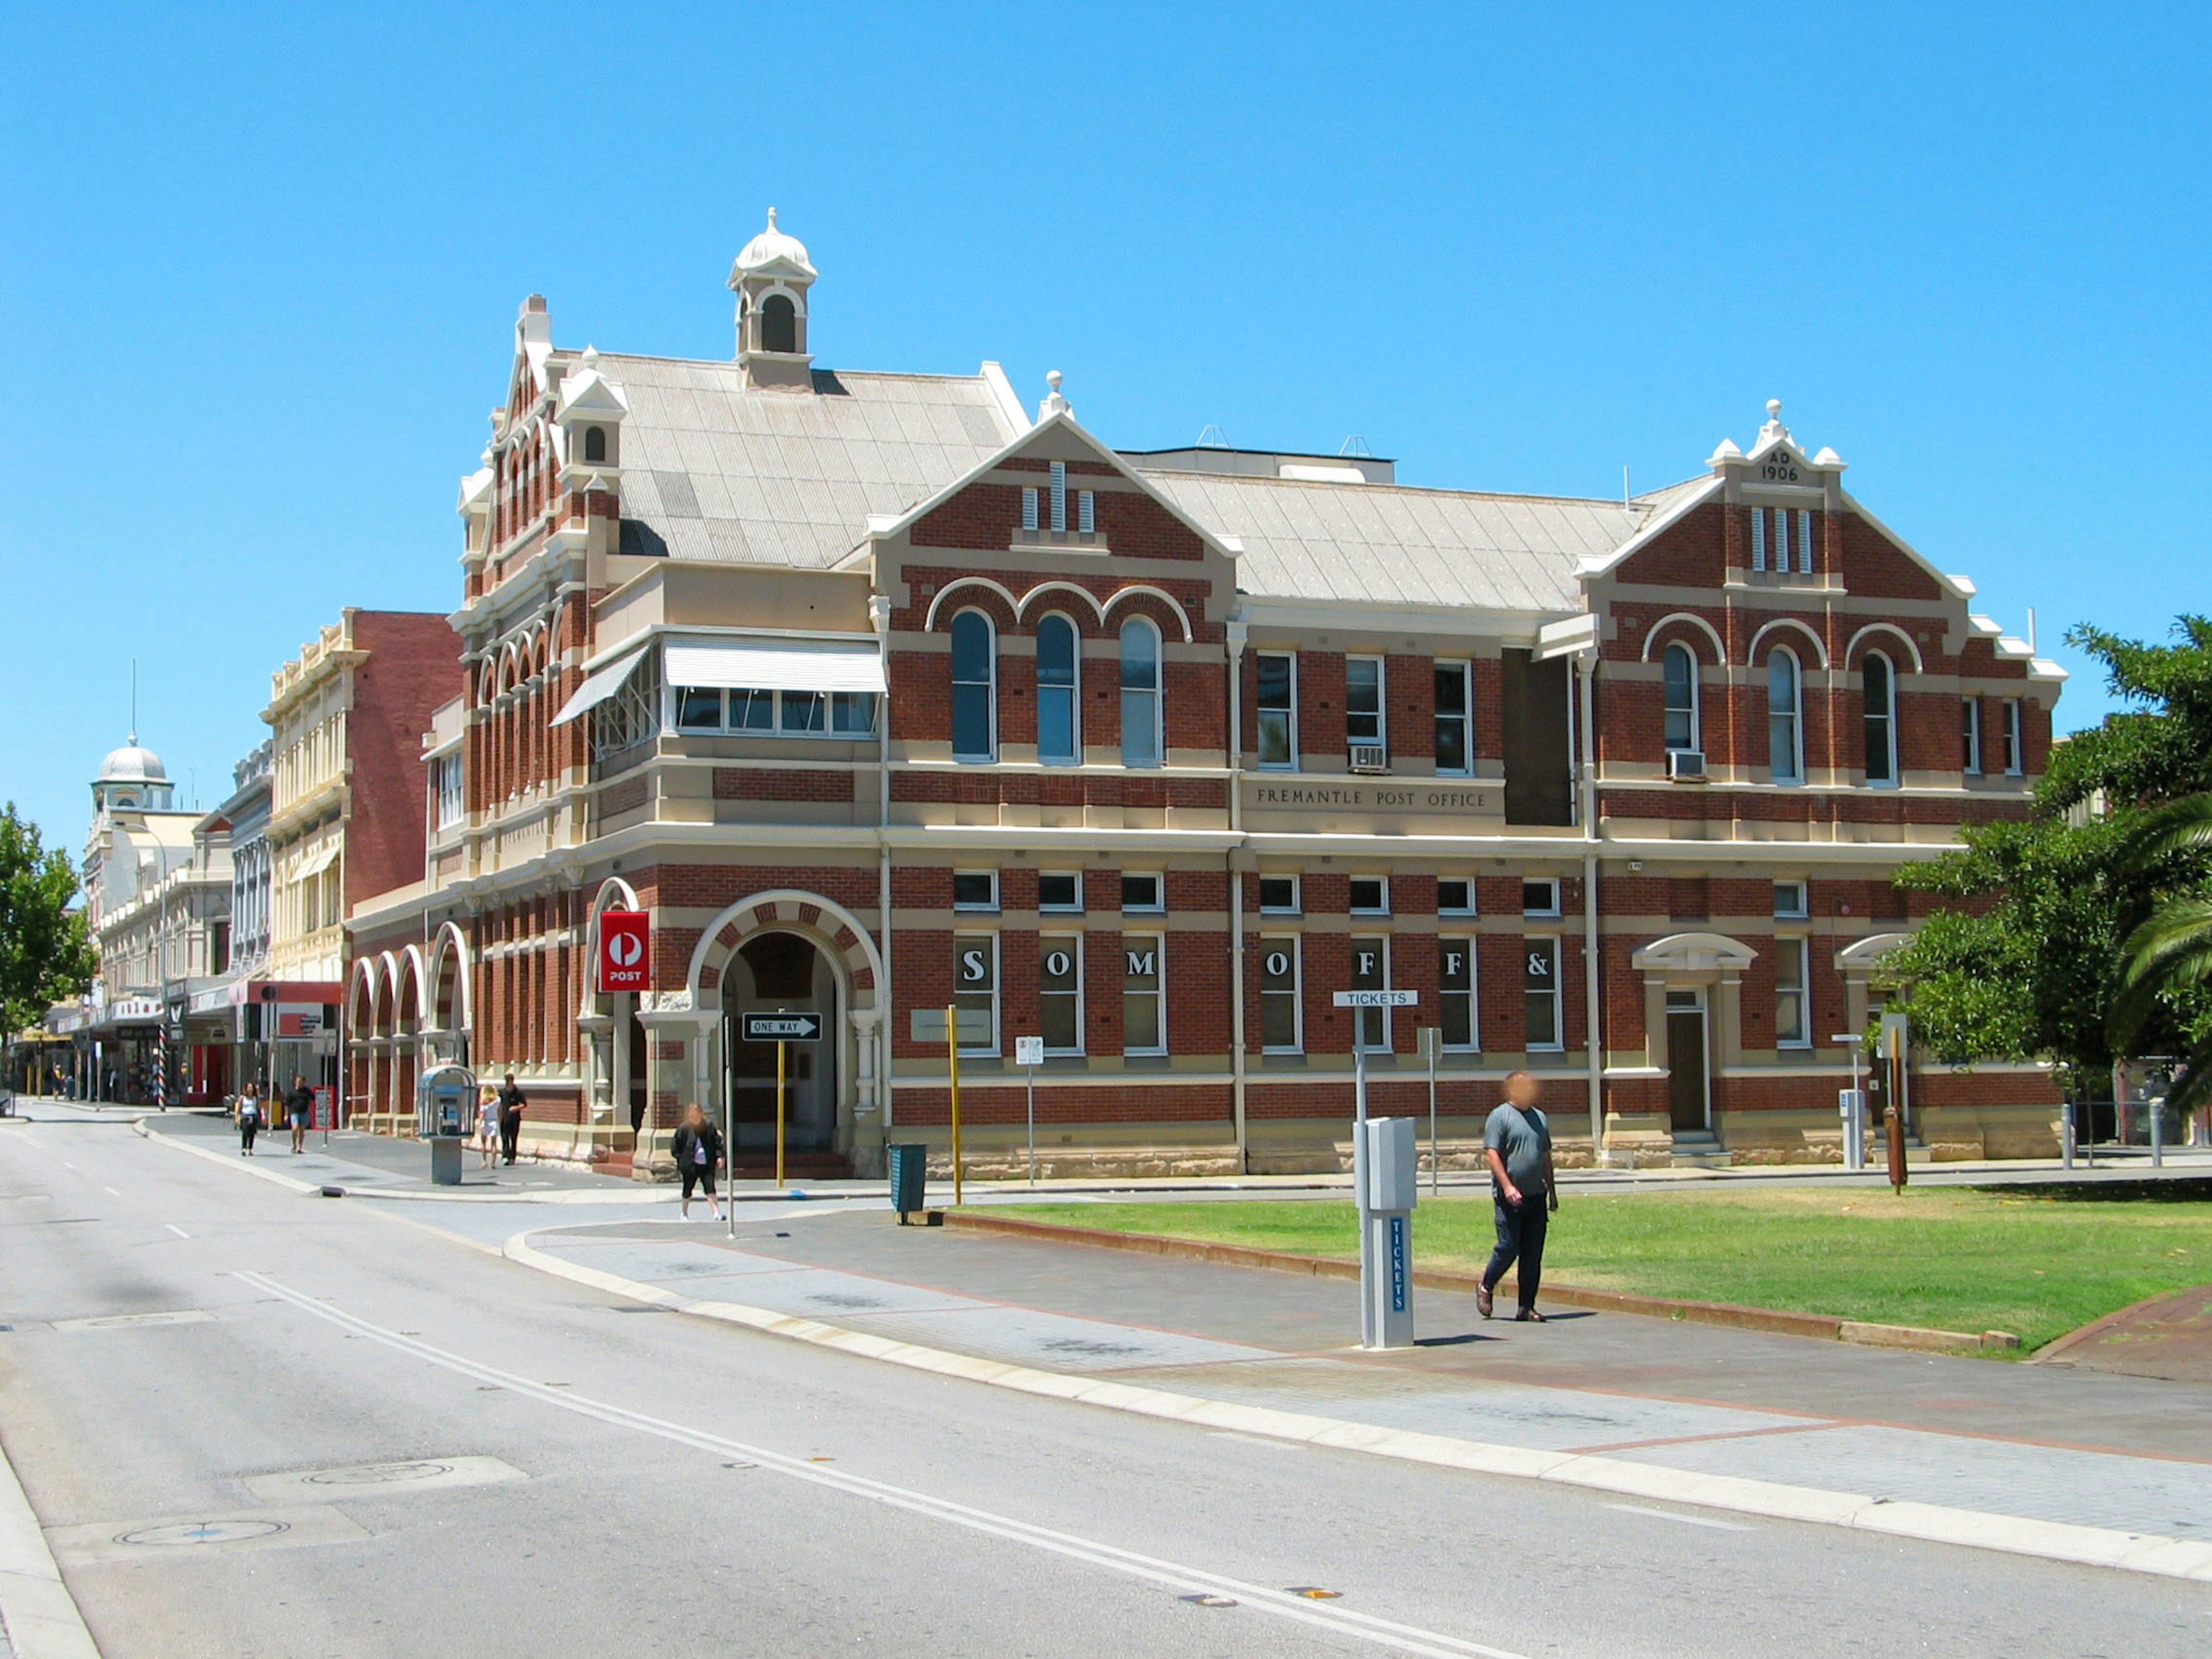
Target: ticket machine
445	1115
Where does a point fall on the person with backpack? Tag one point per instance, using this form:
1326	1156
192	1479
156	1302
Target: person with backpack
247	1116
1517	1144
697	1147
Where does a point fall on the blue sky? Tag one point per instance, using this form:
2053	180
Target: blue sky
262	269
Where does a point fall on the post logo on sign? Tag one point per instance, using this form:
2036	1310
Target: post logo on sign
625	953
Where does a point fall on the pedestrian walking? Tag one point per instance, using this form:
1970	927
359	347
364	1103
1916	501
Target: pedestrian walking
510	1118
487	1131
1517	1144
698	1149
299	1109
247	1116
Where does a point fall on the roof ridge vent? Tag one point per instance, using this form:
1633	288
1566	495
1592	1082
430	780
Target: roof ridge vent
1211	436
1354	444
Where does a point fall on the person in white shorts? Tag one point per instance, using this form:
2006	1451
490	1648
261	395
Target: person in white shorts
487	1132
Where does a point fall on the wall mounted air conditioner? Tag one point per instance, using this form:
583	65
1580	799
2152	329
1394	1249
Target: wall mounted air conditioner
1686	765
1369	757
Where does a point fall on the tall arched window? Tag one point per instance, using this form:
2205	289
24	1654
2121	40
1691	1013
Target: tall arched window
779	323
1140	693
1059	739
1878	675
975	688
1681	665
1785	748
595	443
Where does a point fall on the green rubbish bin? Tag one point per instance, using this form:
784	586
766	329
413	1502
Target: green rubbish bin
910	1171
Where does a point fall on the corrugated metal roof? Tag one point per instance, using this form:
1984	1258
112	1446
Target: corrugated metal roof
716	471
1391	544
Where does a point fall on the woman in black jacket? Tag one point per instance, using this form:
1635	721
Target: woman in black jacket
698	1150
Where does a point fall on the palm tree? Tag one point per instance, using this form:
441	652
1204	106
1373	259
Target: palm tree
2172	950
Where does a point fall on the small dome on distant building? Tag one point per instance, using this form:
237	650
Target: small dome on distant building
769	249
131	764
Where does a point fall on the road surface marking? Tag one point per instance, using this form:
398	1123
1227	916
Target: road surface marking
111	1191
119	1322
1686	1520
1183	1580
175	1229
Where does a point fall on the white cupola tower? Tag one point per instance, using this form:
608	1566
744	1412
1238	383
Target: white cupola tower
771	279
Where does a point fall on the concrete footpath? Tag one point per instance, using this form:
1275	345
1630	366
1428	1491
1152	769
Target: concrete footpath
2069	1465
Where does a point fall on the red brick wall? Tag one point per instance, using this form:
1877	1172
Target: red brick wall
412	668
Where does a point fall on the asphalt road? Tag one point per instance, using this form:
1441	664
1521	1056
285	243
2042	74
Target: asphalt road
642	1484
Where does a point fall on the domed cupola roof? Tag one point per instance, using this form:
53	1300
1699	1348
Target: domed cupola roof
131	764
773	253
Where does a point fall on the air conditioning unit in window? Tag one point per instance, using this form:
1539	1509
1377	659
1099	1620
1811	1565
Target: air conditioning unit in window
1686	765
1369	757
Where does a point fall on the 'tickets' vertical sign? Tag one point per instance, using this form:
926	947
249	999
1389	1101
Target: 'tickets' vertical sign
625	950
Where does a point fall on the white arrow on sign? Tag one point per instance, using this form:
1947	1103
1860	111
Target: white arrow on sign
783	1028
1377	999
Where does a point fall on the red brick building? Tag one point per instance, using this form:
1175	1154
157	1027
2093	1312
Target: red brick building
879	696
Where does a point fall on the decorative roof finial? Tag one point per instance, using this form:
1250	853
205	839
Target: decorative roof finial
1774	429
1053	403
1773	404
771	218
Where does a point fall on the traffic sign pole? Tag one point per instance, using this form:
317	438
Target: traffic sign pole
952	1054
781	1048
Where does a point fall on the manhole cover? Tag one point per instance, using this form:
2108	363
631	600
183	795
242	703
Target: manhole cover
377	1474
203	1531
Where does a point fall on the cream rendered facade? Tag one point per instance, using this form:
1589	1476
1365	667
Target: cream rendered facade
311	700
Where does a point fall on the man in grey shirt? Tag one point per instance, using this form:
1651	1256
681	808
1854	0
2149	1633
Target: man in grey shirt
1517	1144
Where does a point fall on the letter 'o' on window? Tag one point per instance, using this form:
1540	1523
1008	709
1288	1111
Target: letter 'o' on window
1057	703
975	662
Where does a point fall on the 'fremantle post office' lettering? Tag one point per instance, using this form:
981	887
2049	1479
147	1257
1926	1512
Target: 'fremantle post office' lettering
883	693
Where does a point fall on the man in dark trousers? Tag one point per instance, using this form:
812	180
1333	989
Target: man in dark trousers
510	1118
1517	1144
300	1108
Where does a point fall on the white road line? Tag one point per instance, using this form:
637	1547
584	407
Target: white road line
1686	1520
175	1229
1178	1578
111	1191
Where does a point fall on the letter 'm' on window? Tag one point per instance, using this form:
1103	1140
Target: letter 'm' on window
975	664
1143	995
1058	706
1140	693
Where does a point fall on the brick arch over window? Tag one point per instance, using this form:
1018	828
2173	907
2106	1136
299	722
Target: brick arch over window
1695	629
1797	636
974	591
830	925
1887	638
1164	608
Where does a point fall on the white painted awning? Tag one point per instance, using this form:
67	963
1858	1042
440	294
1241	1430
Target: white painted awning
776	664
599	685
317	862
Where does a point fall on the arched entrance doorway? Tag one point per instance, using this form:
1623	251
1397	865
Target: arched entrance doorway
781	973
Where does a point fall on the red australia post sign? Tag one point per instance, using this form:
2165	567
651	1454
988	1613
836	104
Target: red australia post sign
625	950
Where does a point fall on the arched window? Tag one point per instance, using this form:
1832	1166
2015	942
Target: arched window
1878	675
1058	740
1785	748
779	323
975	688
1140	693
1681	677
595	443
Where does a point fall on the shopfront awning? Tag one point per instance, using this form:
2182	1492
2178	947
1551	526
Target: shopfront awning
316	863
598	685
776	664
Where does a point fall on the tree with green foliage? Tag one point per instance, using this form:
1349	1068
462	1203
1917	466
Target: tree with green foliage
2167	966
2025	964
45	952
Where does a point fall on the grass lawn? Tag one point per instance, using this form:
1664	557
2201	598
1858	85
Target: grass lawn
1957	1258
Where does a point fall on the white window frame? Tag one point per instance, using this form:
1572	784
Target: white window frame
1886	717
1797	909
1154	699
1362	1016
1474	897
1473	992
1074	756
990	907
1557	993
960	943
1074	942
1553	882
1464	671
1290	944
1290	717
450	793
2015	738
1382	713
989	683
1795	950
1382	907
1074	909
1970	723
1795	716
1667	708
1159	992
1296	906
1160	888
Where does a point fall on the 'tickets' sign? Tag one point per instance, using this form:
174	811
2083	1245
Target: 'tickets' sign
625	950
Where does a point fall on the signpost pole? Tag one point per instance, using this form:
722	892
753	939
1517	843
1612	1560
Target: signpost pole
1032	1081
781	1048
952	1055
1432	1039
729	1133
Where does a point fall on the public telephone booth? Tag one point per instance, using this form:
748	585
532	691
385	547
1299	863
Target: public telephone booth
445	1115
